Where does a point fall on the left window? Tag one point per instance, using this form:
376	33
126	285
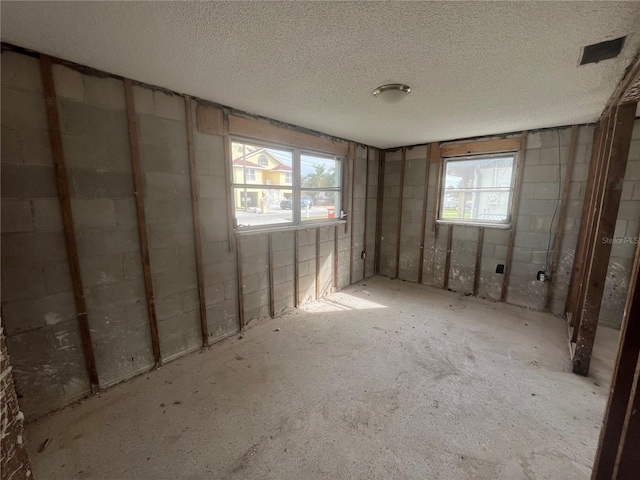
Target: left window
280	186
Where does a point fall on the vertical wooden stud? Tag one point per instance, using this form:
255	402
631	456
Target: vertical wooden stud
424	212
335	258
241	321
193	175
399	226
317	263
142	223
296	269
447	262
272	302
379	208
366	216
435	157
228	184
62	185
478	269
351	217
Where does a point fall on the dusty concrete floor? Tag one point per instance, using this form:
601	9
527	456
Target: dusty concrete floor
383	380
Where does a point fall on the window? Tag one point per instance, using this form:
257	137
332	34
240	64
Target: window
278	186
477	190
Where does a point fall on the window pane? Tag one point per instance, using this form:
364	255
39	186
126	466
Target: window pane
478	189
319	172
261	166
319	205
262	206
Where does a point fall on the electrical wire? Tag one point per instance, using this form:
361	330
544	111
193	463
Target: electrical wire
555	211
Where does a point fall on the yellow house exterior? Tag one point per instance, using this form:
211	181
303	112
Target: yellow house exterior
261	168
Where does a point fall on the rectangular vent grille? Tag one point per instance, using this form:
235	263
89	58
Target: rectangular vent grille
602	51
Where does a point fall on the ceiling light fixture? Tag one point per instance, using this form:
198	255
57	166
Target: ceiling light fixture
392	93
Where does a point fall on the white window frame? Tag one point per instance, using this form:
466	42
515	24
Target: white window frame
295	187
250	175
479	222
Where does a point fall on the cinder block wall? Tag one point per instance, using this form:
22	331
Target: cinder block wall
539	193
37	298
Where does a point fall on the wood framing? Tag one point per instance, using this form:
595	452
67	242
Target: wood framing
424	212
435	157
352	214
399	227
366	216
241	321
335	257
379	208
250	128
608	202
502	145
296	270
478	268
142	223
210	120
447	262
62	185
562	215
348	188
272	296
197	234
624	394
317	263
514	215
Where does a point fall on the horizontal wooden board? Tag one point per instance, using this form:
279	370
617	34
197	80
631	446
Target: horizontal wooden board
263	131
209	120
501	145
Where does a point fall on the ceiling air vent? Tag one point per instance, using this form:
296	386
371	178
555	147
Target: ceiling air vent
602	51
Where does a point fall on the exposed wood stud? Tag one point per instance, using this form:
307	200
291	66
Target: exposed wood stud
579	254
193	174
623	387
502	145
435	149
352	216
142	223
317	263
478	268
228	184
62	185
366	216
514	216
272	307
399	226
296	269
447	262
562	214
424	212
351	158
241	321
607	212
335	257
379	206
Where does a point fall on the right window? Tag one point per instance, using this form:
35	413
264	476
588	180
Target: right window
478	189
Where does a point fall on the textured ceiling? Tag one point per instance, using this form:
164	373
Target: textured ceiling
475	68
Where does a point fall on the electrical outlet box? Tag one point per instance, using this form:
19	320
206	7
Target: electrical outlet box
500	268
363	255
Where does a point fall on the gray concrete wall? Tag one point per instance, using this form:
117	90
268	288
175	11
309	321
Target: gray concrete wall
538	194
37	300
38	306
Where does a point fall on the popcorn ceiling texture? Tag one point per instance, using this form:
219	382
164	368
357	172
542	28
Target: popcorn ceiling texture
474	68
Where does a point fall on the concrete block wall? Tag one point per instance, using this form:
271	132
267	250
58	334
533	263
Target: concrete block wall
539	193
626	236
283	270
38	306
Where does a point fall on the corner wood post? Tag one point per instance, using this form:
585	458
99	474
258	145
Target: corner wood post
142	223
62	184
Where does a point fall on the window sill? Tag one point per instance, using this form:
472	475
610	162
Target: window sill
286	228
498	226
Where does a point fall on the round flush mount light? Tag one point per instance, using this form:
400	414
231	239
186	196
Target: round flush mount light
392	93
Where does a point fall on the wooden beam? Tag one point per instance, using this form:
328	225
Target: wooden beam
579	253
366	216
246	127
424	213
514	216
626	91
317	263
347	192
352	215
435	157
562	215
62	185
399	227
502	145
142	222
228	184
628	460
624	387
335	257
241	321
447	262
477	270
272	299
210	120
197	234
379	207
605	227
296	269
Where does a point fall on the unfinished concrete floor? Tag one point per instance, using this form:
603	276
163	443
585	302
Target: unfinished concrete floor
385	379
